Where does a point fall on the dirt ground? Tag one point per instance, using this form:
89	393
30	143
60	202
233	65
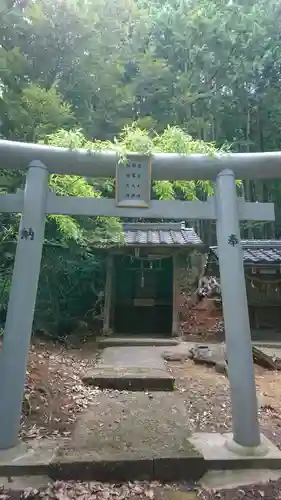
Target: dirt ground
54	393
203	321
207	399
55	396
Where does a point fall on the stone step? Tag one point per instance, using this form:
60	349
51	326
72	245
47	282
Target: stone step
136	341
131	436
133	368
141	437
130	379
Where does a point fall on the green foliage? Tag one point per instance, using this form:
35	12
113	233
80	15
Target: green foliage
84	230
211	68
175	140
42	112
69	285
133	138
172	140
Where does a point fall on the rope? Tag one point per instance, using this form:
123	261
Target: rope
262	281
152	257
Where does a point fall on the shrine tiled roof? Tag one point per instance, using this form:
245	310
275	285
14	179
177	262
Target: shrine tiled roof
149	233
258	251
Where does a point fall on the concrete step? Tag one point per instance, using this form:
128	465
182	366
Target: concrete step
136	341
141	437
130	379
130	436
134	368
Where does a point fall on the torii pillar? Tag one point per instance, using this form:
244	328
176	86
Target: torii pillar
241	376
21	305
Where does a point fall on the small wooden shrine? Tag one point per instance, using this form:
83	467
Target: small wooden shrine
262	264
143	278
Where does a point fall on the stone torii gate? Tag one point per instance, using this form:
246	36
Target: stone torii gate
133	186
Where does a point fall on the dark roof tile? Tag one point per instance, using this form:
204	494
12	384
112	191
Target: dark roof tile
259	251
175	234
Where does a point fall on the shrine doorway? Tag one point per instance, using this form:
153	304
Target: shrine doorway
143	295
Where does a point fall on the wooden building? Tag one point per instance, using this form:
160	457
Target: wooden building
262	264
143	278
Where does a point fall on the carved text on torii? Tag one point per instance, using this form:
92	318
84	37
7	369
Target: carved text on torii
27	234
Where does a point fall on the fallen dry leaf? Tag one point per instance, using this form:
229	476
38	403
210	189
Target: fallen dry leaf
149	494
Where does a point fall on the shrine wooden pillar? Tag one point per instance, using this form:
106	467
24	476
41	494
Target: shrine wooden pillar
176	296
108	296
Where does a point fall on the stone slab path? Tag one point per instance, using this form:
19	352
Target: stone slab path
143	433
131	368
141	357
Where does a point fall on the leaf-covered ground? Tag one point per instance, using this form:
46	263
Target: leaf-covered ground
61	490
207	399
54	393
